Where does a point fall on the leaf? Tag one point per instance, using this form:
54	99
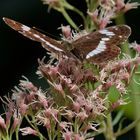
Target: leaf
113	94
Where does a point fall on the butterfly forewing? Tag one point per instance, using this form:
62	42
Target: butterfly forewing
47	42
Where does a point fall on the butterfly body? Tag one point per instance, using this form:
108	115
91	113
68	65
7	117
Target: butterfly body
96	47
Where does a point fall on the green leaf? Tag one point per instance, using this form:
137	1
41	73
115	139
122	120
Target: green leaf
113	94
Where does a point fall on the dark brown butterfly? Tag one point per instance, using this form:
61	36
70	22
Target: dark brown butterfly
96	47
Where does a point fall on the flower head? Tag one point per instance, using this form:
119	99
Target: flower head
28	131
52	3
101	18
121	6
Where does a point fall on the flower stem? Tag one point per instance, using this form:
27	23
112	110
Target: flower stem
17	131
135	100
34	126
128	128
71	7
68	18
109	134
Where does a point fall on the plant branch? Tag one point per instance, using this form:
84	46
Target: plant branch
128	128
109	134
68	18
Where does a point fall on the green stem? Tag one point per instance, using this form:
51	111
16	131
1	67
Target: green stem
68	18
81	14
120	19
109	134
7	137
101	130
71	7
128	128
17	131
34	126
93	5
76	127
118	117
136	105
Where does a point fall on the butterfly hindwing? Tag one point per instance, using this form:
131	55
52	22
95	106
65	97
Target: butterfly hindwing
102	43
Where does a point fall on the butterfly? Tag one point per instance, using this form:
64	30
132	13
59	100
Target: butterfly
96	47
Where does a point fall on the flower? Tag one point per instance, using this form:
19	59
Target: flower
67	135
108	10
101	18
28	131
121	6
52	3
136	47
66	32
16	123
2	124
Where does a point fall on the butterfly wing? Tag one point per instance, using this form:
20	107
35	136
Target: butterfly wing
47	42
101	45
96	46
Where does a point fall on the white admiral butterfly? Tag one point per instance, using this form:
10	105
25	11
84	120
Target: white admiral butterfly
96	47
